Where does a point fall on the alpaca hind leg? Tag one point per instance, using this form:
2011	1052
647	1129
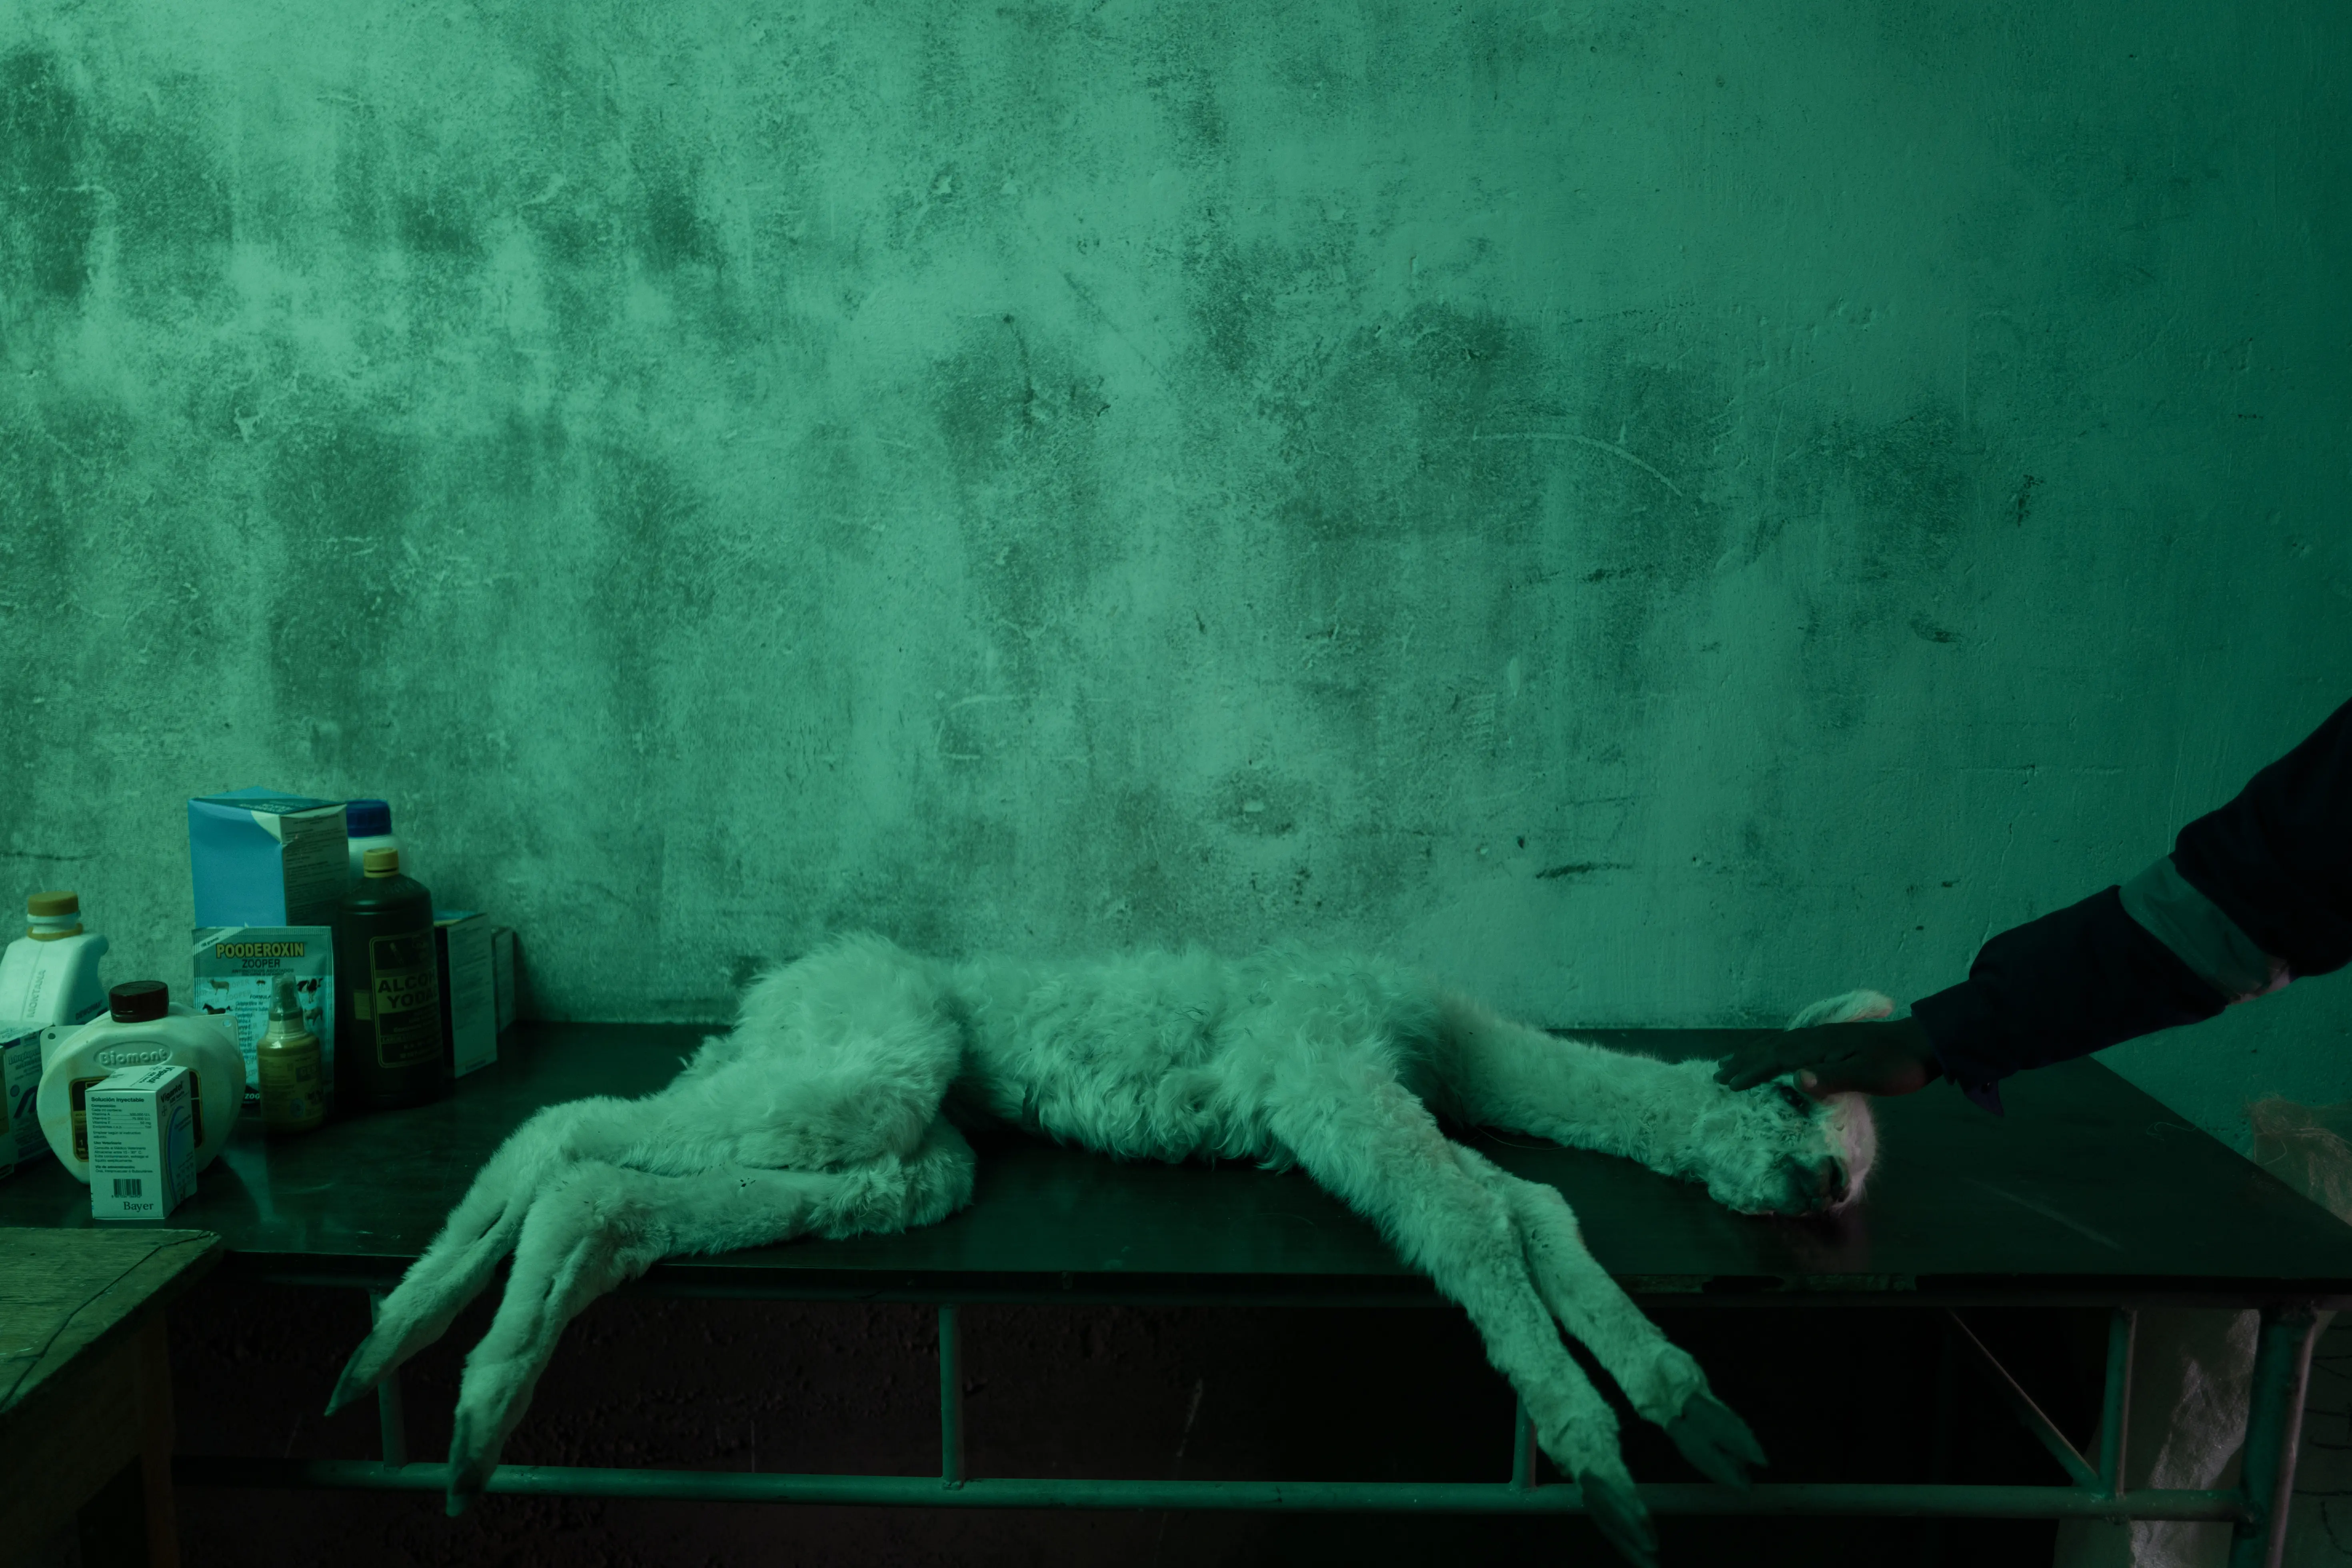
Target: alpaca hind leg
1663	1382
481	1230
1762	1151
838	1059
1378	1148
604	1225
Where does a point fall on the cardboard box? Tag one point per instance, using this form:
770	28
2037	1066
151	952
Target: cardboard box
20	1081
142	1142
264	858
237	970
502	973
469	1008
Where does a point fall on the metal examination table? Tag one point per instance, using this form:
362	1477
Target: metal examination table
2103	1199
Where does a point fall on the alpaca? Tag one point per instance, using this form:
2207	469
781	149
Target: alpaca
832	1108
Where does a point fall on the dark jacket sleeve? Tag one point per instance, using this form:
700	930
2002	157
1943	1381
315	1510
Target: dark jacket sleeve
2277	860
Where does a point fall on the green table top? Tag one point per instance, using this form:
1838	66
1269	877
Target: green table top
2087	1190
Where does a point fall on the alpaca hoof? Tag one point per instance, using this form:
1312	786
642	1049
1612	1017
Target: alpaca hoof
464	1488
352	1383
1617	1512
1715	1440
469	1469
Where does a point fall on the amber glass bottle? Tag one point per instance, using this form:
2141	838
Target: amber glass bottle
388	1047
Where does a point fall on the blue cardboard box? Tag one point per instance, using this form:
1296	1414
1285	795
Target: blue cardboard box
264	857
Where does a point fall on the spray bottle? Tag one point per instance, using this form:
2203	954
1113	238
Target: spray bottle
286	1059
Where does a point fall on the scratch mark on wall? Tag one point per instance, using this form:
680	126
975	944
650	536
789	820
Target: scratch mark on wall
1094	308
1579	869
1608	446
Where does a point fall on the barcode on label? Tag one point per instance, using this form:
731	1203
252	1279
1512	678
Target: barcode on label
127	1187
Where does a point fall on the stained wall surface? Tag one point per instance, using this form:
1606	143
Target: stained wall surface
1658	512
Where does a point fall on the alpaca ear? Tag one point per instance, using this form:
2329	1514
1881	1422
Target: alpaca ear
1852	1008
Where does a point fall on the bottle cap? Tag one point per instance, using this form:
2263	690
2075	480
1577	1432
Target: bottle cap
366	818
48	916
381	863
139	1001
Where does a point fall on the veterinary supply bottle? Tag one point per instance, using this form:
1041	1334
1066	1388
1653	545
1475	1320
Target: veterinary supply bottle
367	825
141	1028
49	975
387	991
286	1060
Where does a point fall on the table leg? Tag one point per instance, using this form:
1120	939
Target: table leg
2115	1416
391	1414
155	1443
131	1520
2275	1430
1523	1450
112	1525
1940	1452
951	1397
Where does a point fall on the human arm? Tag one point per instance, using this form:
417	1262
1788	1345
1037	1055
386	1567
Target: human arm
1874	1057
2253	895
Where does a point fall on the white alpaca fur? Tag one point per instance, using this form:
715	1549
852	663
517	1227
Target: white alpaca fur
831	1110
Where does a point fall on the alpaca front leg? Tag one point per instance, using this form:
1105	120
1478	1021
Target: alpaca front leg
1377	1148
1761	1151
1660	1379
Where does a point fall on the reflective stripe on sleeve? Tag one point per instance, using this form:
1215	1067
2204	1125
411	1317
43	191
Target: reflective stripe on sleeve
2209	943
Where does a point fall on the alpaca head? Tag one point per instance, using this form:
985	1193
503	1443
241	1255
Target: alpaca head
1853	1136
1846	1117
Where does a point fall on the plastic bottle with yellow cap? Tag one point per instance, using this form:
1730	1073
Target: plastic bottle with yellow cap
49	975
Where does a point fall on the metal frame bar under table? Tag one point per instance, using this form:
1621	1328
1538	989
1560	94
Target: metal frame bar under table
2256	1507
1980	1214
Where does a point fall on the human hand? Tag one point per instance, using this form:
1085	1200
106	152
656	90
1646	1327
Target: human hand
1881	1057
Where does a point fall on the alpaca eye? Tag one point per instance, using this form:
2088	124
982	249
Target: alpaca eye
1795	1096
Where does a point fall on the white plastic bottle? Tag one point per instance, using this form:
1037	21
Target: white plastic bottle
49	975
142	1029
367	825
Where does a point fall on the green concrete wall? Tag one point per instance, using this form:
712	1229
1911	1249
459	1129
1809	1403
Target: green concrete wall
1661	512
